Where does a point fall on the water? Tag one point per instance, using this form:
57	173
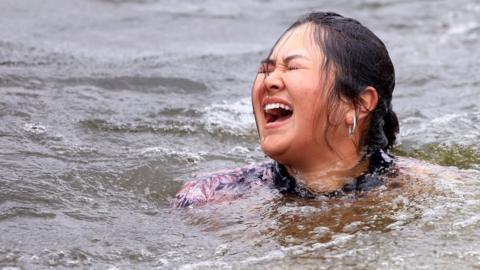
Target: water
107	107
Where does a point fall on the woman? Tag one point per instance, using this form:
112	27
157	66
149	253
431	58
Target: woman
322	105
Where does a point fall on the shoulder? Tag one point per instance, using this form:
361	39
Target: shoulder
222	185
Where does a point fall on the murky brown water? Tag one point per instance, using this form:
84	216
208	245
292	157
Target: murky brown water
107	107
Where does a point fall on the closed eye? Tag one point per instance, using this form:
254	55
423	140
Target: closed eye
293	68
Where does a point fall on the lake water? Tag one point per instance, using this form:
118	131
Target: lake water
107	107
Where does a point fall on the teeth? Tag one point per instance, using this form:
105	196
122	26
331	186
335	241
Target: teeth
272	106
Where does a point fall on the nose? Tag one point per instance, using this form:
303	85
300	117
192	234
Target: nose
273	81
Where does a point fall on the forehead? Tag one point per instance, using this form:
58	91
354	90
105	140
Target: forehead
299	40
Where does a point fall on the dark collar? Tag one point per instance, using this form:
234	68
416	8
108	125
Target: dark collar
379	164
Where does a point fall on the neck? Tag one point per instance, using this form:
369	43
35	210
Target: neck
328	177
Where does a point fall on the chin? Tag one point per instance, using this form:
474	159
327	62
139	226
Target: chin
276	151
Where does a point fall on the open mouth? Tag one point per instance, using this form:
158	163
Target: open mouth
277	112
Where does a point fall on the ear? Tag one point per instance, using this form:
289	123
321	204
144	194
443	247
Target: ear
368	102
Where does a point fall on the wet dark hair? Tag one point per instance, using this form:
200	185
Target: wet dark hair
358	59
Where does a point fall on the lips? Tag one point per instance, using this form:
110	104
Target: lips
276	110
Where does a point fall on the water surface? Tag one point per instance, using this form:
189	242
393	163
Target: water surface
108	107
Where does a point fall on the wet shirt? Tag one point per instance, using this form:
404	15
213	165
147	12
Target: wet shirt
232	184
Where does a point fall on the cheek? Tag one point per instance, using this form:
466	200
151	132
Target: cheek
314	114
256	98
257	88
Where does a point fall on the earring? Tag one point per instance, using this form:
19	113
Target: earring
353	127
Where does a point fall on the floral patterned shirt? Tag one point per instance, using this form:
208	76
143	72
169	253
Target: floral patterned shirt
231	184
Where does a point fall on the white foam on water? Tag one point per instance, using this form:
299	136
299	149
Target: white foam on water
234	118
305	210
206	265
339	239
472	221
441	128
273	255
462	28
222	249
167	153
270	256
35	128
239	150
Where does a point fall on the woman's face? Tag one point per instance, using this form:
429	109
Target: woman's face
288	92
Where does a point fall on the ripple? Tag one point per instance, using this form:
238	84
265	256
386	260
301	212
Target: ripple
81	215
35	128
167	154
174	127
461	156
223	119
417	79
230	118
66	258
175	112
9	81
376	4
452	128
6	109
24	212
464	28
140	84
15	54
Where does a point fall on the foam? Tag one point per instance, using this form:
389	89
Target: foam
233	118
180	155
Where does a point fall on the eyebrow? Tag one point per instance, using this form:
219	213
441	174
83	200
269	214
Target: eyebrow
286	60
